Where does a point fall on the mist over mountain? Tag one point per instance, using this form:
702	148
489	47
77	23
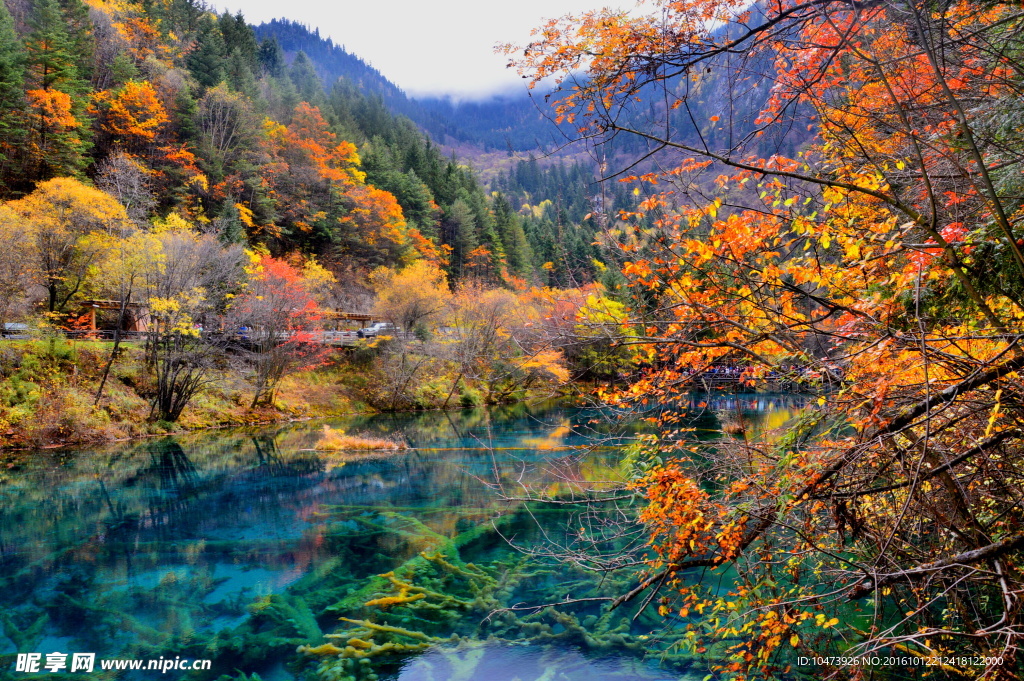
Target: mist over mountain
720	112
513	122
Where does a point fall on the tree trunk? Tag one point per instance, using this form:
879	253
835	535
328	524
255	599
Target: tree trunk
113	351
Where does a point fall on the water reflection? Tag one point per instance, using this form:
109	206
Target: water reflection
243	545
497	662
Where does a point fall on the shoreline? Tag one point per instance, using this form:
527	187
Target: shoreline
48	398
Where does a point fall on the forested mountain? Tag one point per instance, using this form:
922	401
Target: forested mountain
561	208
274	135
514	121
330	60
178	111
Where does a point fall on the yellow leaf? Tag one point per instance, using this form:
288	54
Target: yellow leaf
995	413
794	640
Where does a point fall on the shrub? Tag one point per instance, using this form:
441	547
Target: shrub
432	394
471	398
337	440
66	414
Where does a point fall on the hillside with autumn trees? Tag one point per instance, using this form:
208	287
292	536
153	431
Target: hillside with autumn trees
174	109
211	205
822	195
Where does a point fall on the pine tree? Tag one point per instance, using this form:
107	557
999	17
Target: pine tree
230	229
12	99
80	36
58	130
270	57
307	83
238	35
51	57
460	234
206	60
510	230
239	74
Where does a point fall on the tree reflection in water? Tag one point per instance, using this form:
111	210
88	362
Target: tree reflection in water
243	546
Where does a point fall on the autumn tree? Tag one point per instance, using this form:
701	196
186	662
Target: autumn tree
882	260
412	296
228	129
277	316
325	200
17	262
127	179
491	341
133	116
59	215
186	286
119	272
383	171
602	342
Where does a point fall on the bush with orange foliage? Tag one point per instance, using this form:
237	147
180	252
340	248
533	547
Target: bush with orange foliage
882	260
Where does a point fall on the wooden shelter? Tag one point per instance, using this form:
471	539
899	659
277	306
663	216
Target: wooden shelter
136	315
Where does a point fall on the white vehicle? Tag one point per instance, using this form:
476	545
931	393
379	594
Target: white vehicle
378	329
14	330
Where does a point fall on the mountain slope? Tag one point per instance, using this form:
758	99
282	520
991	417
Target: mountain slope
512	122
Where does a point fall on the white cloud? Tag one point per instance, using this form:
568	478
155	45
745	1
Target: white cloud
445	46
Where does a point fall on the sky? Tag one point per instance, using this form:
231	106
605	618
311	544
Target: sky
424	46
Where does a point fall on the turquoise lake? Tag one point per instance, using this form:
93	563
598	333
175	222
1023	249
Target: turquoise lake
249	547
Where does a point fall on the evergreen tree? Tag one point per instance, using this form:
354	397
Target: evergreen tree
51	58
58	130
343	101
270	57
238	35
230	229
510	230
459	233
122	69
181	17
186	110
307	83
12	99
281	97
81	43
486	235
239	74
206	60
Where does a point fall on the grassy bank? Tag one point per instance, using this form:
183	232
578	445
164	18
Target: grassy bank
48	395
48	392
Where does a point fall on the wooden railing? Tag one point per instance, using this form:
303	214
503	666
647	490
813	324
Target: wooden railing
332	338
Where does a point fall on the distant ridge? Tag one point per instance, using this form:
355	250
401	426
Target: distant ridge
332	61
509	122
